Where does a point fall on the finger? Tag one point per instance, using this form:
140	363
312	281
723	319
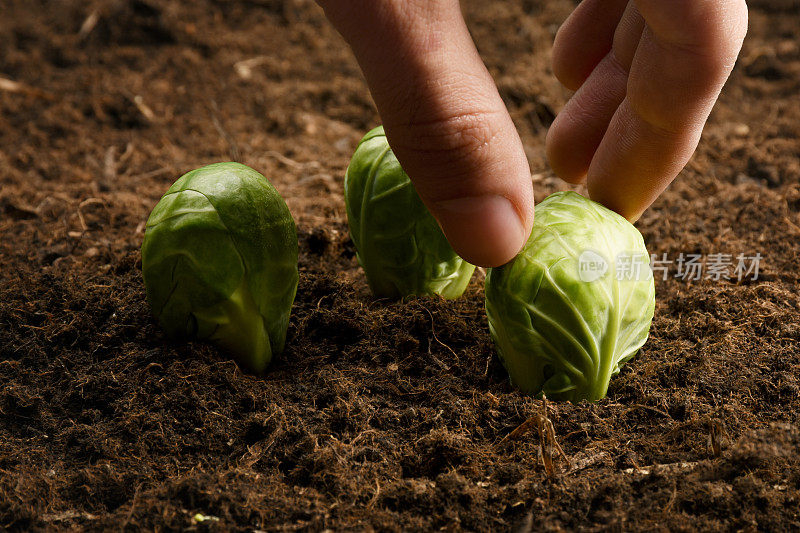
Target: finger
627	35
683	59
578	129
444	119
584	40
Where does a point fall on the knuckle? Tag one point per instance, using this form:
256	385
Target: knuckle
452	156
717	33
713	61
468	132
457	136
708	32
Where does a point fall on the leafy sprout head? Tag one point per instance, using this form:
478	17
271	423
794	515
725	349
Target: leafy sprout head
575	304
219	261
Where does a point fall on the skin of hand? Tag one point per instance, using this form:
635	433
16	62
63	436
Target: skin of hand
646	74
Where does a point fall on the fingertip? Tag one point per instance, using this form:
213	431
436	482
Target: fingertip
486	231
564	68
713	30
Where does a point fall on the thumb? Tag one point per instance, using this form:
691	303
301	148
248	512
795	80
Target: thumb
444	120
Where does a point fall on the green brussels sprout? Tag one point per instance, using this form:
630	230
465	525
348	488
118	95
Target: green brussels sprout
399	244
575	304
219	261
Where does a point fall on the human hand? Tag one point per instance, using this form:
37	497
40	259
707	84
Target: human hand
647	73
629	133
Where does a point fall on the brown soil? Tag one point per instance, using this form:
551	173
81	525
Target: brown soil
380	415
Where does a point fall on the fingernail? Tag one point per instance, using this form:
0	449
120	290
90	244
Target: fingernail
484	230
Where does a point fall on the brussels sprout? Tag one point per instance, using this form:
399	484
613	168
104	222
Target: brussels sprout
399	244
575	304
219	260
